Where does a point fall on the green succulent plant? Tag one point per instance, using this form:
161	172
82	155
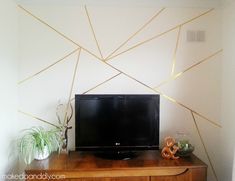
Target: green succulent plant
36	139
185	148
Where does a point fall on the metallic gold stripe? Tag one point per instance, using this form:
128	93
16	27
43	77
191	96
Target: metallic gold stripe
175	51
93	32
138	31
101	83
165	96
207	58
48	67
186	107
204	146
159	35
127	75
97	85
191	67
141	43
58	32
72	85
196	17
37	118
43	22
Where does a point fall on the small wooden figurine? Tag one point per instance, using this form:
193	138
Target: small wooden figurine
170	149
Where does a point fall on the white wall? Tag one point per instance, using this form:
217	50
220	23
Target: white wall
8	82
228	89
199	89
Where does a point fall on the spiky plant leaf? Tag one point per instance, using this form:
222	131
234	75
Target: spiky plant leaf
37	139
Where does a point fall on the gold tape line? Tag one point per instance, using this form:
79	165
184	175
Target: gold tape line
196	17
55	30
186	107
137	32
43	22
186	70
48	67
159	35
98	85
167	97
72	85
93	32
204	146
101	83
128	50
37	118
175	51
141	43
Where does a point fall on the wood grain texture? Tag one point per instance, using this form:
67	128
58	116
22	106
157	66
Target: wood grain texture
113	179
148	165
198	174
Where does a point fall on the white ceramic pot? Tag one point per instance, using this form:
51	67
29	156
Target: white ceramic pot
41	155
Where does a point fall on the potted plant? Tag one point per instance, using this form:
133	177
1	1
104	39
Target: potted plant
185	148
38	143
184	145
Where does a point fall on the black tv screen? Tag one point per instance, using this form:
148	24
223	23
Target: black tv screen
116	122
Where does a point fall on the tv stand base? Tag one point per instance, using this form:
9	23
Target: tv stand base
117	155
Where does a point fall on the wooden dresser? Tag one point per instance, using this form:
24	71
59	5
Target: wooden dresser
148	166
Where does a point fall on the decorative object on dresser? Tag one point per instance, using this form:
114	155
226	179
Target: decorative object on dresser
170	149
64	117
148	165
183	142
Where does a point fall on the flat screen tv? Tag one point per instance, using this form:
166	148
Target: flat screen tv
116	122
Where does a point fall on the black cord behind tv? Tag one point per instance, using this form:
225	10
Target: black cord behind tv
116	123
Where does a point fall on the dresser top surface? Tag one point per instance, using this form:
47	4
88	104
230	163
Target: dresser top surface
88	161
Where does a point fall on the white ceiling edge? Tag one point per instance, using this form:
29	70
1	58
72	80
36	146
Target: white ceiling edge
124	3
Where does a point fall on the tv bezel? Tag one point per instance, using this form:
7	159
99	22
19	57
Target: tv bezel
154	146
